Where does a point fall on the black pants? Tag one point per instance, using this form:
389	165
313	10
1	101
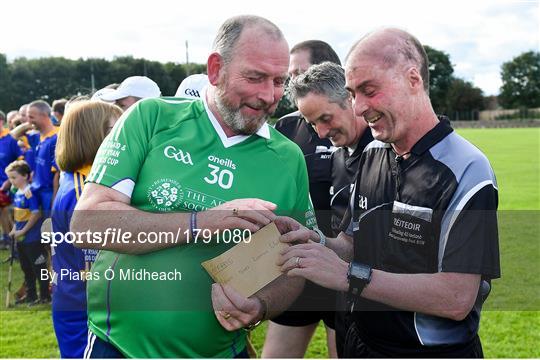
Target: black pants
33	259
355	347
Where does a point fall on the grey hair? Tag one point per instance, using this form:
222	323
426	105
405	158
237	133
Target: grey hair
229	33
325	79
42	106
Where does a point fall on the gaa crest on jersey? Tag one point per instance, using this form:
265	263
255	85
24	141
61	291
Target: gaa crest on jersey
165	194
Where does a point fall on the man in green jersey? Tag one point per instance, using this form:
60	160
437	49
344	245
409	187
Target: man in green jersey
175	165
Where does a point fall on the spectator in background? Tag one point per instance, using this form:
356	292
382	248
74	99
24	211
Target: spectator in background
27	137
75	99
9	152
27	233
46	175
131	90
23	113
192	86
99	93
13	119
289	334
58	108
81	132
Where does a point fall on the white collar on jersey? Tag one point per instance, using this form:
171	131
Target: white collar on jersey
263	132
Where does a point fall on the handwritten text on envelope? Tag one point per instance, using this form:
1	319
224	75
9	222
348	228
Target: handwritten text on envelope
248	267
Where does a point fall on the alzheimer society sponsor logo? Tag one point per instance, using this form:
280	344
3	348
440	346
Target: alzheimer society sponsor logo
165	194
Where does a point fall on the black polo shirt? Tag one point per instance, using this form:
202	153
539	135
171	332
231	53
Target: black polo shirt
317	154
432	212
344	169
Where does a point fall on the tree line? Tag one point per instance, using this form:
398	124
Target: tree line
23	80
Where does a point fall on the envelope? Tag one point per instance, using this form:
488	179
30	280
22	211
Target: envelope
249	266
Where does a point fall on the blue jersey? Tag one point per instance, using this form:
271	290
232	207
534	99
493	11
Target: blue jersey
68	262
9	152
45	161
31	141
24	204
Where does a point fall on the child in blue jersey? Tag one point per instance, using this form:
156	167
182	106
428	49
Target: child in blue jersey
27	233
84	126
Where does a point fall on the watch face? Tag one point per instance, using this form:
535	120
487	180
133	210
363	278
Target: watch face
360	271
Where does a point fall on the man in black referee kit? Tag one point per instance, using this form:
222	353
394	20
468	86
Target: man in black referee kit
289	333
324	102
421	246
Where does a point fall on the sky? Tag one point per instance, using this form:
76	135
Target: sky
479	35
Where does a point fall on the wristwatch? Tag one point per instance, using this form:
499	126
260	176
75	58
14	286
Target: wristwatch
359	275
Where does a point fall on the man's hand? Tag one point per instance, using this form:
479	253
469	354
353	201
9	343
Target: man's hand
234	311
293	232
251	214
20	130
316	263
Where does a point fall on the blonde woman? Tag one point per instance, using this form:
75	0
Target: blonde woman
84	126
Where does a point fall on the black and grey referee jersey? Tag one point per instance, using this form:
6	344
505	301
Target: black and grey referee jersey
344	169
317	154
432	212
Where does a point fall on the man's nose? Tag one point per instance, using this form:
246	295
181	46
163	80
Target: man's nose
322	130
359	106
267	92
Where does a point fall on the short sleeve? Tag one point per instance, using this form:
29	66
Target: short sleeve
52	157
303	201
472	243
122	153
33	203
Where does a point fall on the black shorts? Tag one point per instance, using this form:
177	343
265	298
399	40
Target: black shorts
313	305
355	347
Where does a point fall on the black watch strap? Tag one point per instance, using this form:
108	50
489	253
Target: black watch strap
359	275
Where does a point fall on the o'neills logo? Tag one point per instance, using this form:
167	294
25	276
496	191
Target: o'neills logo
223	162
177	154
165	194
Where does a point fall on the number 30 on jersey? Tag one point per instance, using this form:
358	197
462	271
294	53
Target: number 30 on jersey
223	177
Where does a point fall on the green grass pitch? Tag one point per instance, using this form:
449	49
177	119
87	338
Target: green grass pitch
510	325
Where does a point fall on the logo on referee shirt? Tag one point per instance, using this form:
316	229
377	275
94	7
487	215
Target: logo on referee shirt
165	194
362	202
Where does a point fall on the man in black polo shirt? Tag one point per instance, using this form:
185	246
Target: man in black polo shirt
324	102
289	334
423	217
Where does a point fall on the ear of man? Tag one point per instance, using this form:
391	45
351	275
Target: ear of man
415	80
214	66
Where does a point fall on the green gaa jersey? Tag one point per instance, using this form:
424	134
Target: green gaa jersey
171	155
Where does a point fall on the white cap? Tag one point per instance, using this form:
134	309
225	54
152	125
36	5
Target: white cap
138	86
192	86
98	94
